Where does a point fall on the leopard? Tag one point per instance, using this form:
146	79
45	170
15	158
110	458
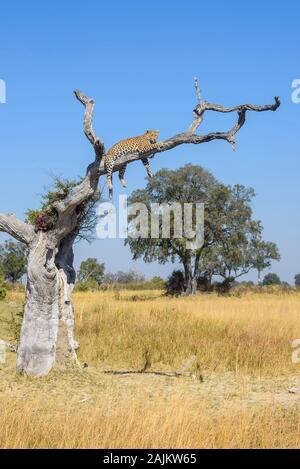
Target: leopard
140	144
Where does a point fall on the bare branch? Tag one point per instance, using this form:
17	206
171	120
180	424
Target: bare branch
198	91
88	186
190	136
198	117
88	124
17	229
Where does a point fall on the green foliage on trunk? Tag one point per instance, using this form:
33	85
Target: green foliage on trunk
45	218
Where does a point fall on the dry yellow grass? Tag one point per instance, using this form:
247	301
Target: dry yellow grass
248	335
173	424
243	349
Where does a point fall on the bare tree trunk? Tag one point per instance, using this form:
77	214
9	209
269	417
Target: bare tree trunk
194	286
48	325
190	279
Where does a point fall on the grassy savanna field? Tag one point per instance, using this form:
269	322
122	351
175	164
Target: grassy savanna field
236	395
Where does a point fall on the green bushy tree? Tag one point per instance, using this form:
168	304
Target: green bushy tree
297	280
271	279
13	261
233	243
91	271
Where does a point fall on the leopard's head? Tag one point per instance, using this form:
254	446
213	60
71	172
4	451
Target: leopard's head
152	135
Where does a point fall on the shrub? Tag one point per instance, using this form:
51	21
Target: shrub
2	288
271	279
81	286
156	283
175	283
88	285
2	293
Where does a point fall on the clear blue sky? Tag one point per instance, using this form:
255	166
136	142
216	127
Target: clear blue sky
138	60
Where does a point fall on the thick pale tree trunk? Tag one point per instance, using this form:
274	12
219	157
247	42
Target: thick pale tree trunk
47	334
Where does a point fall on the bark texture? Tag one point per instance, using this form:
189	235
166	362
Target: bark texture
47	335
190	264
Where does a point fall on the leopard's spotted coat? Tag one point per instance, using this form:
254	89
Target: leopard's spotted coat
140	144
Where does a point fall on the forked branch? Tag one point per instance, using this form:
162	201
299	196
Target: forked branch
89	185
88	124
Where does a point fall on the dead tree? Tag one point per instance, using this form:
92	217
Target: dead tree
47	334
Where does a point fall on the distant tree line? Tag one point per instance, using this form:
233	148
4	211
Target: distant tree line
233	239
92	276
175	284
